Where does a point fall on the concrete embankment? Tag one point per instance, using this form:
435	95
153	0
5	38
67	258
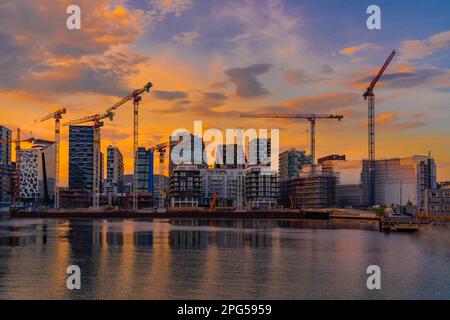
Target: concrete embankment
269	214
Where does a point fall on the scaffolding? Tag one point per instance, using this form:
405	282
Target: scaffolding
309	191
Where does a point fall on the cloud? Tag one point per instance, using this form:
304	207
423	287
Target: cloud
90	74
114	135
245	79
299	76
391	121
218	85
162	8
416	49
411	78
39	54
350	51
186	38
328	102
215	95
201	103
169	95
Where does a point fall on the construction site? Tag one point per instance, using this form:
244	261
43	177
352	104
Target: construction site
201	189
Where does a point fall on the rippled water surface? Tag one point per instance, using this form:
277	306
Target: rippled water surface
220	259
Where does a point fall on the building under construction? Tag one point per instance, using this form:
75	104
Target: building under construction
309	190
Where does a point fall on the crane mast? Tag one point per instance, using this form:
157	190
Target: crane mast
96	165
311	117
57	115
370	97
136	97
161	149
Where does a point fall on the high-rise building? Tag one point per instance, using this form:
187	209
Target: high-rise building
81	158
230	156
401	180
114	171
102	173
196	150
6	183
291	163
37	174
5	145
398	180
308	190
261	187
6	168
185	186
229	185
144	171
259	151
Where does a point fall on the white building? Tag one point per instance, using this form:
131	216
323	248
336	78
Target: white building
398	181
37	173
228	183
403	180
114	171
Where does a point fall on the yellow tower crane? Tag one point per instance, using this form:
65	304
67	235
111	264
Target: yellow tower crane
57	115
136	96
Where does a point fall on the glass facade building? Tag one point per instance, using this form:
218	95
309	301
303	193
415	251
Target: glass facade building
81	158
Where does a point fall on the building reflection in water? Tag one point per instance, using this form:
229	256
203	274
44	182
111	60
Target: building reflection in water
204	258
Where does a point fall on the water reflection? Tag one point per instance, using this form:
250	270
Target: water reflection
227	259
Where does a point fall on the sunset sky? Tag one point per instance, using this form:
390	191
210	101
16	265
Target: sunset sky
211	60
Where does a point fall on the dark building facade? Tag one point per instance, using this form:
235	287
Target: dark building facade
260	151
6	183
235	154
144	170
197	150
6	168
291	163
261	187
309	191
185	186
5	145
81	158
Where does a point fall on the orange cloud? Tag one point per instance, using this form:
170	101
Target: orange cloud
416	49
349	51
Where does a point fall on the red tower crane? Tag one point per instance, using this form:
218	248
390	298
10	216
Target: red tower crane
370	97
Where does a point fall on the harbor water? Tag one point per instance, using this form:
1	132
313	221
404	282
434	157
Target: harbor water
220	259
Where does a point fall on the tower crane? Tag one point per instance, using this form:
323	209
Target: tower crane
370	97
311	117
161	149
96	118
57	115
136	96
